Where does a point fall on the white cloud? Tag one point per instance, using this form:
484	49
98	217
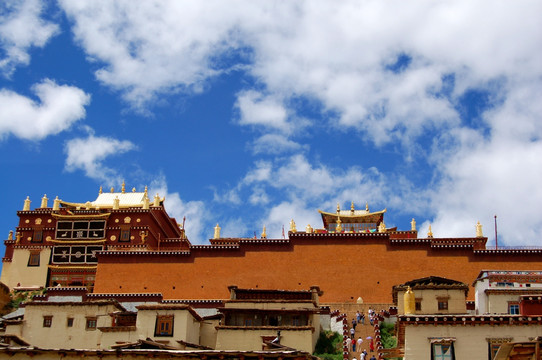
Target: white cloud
59	107
275	144
20	29
89	154
258	109
193	211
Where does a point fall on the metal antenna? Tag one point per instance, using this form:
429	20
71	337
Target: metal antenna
496	241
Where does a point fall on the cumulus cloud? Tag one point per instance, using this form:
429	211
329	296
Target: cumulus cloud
59	107
21	28
392	72
88	154
193	211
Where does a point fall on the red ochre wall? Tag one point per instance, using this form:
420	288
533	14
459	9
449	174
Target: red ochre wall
344	268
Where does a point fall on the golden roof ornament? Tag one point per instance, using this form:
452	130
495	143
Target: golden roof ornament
133	189
367	206
382	227
292	226
352	208
217	232
123	187
308	229
264	233
44	201
409	301
10	236
338	228
112	189
338	208
156	200
413	225
116	203
56	204
18	236
479	230
429	232
146	201
100	191
146	190
27	202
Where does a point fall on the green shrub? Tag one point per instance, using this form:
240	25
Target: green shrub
387	334
329	346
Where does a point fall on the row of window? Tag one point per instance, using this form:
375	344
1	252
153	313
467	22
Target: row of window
91	322
251	319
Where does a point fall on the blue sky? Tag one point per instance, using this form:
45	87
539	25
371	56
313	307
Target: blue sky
249	113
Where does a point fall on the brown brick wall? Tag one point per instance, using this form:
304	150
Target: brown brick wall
344	268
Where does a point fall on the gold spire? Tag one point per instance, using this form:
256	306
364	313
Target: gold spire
217	232
101	190
44	201
264	233
146	191
145	201
413	225
479	230
123	187
352	207
292	226
27	202
10	236
133	189
429	232
339	228
338	208
367	206
156	200
56	204
112	189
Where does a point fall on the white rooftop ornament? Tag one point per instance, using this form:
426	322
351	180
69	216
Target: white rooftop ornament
27	202
44	201
479	230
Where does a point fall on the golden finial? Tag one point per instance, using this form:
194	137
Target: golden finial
382	227
429	232
308	229
100	191
413	225
367	206
44	201
217	232
10	236
133	189
264	233
352	207
156	200
338	207
112	189
56	204
146	190
339	228
409	301
145	201
116	203
27	202
479	230
123	187
292	226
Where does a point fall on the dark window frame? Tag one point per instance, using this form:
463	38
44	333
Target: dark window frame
164	325
34	259
91	323
47	321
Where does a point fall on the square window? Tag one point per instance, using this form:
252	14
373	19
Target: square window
125	234
443	304
513	308
34	259
442	351
47	321
164	325
91	323
70	322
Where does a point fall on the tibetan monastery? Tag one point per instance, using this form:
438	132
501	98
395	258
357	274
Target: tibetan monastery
124	243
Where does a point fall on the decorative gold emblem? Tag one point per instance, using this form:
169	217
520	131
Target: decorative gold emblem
38	221
127	220
113	238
